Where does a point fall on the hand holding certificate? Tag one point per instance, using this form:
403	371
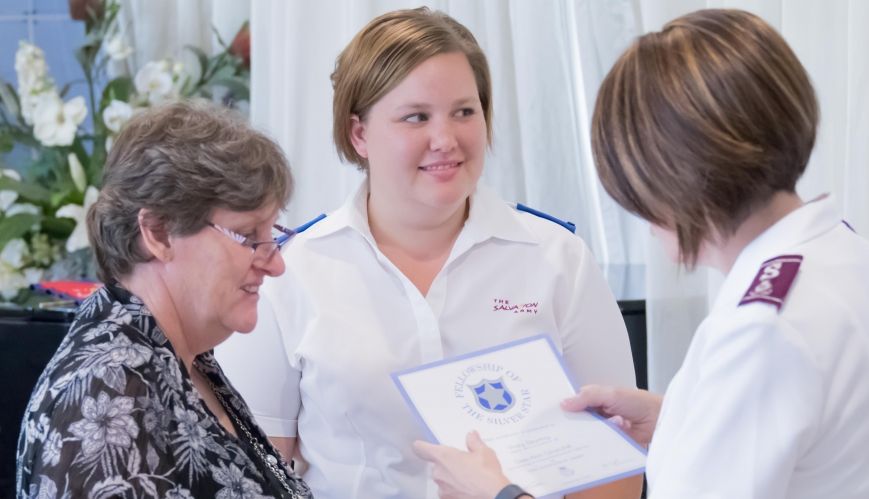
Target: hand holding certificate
510	394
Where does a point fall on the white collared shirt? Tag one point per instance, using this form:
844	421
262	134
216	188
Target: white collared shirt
774	404
343	317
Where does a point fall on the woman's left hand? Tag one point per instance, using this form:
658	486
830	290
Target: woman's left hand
475	474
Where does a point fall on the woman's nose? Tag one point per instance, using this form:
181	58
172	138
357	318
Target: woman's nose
443	137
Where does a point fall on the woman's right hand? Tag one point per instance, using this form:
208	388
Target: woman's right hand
634	411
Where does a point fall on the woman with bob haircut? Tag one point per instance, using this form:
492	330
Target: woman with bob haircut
133	404
421	263
703	129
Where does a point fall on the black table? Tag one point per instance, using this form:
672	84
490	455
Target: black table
28	339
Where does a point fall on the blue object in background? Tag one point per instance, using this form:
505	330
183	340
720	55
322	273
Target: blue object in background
45	23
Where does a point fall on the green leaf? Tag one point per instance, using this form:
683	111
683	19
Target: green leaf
238	87
58	228
9	98
28	190
44	170
82	55
16	226
201	57
6	143
64	197
65	90
224	72
120	88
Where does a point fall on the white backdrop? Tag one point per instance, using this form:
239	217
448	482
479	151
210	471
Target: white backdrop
547	60
831	40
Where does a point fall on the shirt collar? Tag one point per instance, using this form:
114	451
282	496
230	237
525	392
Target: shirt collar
353	214
489	217
803	224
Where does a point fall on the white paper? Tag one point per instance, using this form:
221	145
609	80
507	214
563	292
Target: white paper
511	394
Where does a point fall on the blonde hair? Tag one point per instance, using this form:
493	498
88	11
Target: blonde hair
698	124
384	53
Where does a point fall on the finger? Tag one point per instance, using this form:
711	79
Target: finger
474	442
589	396
426	451
618	421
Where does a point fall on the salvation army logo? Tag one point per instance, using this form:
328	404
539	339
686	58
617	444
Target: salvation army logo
493	396
490	393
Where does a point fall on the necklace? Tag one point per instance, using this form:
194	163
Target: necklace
275	466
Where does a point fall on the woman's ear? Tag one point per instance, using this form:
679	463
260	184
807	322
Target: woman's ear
155	237
357	136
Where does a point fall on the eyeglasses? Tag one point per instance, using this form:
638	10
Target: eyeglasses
262	250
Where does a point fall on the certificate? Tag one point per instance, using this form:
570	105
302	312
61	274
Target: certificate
510	394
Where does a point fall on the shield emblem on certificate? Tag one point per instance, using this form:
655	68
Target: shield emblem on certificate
493	396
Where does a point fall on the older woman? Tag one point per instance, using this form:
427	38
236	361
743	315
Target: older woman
133	403
419	264
703	129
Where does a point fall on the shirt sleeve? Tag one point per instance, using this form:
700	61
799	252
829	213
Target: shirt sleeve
260	364
593	334
750	414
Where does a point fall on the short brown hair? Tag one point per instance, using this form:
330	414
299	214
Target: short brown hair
386	50
700	123
180	161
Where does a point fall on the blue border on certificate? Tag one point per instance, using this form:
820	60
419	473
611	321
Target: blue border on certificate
431	438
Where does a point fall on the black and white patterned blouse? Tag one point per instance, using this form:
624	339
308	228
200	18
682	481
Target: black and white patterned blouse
115	414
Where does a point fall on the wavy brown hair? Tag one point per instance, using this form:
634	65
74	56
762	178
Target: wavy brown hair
180	161
698	124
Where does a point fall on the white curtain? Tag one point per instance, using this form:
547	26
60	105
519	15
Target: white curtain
831	40
158	29
547	60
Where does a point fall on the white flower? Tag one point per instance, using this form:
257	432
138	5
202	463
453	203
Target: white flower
10	281
30	67
236	485
29	101
76	171
55	122
107	421
116	114
117	48
14	175
155	81
46	489
178	493
8	197
17	208
51	449
32	275
78	239
14	253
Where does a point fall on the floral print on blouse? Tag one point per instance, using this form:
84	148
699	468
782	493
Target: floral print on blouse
115	414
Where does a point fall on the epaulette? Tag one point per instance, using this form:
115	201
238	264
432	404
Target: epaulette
773	281
307	225
849	226
567	225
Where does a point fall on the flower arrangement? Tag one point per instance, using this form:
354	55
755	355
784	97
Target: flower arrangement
43	202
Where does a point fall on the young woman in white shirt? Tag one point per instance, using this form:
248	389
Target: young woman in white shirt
421	263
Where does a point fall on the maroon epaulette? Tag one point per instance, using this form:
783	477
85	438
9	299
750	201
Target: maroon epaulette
773	281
